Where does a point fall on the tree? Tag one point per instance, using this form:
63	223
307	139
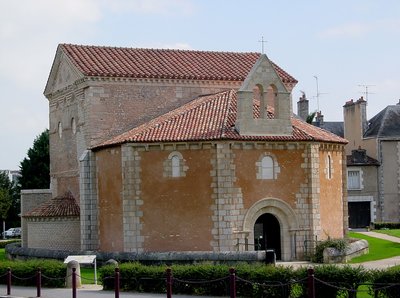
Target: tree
9	199
35	168
310	117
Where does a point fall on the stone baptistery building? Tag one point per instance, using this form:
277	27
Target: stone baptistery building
169	150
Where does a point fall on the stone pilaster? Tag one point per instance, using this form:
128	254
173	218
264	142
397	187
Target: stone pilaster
131	199
314	186
88	202
228	202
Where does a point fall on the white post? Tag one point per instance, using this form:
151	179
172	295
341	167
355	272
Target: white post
4	229
95	271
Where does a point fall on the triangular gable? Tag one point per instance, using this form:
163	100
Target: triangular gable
262	72
63	73
271	91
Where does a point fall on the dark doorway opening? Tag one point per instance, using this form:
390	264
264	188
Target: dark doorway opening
267	234
359	214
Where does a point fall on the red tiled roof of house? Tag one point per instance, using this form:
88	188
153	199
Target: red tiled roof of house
209	118
164	63
61	206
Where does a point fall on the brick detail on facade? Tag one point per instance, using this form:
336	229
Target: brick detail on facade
131	198
88	202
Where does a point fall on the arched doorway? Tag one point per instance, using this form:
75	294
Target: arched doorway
267	234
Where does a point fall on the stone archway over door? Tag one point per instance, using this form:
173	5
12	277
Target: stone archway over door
286	217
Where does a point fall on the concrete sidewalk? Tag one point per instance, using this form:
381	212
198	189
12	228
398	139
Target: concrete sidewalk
86	291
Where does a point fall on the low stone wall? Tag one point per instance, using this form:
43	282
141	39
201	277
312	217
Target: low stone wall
355	249
14	251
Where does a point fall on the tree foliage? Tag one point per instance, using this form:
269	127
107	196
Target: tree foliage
35	168
9	198
310	117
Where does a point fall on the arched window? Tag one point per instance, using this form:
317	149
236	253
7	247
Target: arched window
329	167
73	125
267	167
59	129
176	166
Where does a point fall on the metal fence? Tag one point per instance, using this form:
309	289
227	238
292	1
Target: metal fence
232	285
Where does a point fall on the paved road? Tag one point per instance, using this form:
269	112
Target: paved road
92	291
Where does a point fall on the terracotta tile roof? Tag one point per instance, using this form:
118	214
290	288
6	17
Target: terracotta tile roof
61	206
209	118
165	64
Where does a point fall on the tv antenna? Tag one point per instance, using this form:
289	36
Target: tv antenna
262	44
366	92
318	93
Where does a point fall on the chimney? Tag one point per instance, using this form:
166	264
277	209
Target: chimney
319	119
355	123
302	106
359	156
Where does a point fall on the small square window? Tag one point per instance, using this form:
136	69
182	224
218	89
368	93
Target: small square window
353	179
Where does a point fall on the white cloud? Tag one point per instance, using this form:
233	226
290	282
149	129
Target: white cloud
361	29
350	30
181	7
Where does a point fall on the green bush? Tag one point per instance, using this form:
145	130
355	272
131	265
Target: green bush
205	279
24	272
385	225
339	244
5	242
380	280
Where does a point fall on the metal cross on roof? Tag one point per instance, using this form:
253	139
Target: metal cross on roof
262	44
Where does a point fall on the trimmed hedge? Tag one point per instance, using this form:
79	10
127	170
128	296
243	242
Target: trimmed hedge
380	280
24	272
252	280
385	225
6	242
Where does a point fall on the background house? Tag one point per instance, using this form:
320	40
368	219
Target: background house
373	166
379	137
186	150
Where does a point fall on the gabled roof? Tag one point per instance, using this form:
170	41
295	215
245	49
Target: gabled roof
61	206
210	118
164	63
336	127
385	124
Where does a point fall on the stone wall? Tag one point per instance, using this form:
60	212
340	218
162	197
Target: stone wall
90	112
53	233
30	199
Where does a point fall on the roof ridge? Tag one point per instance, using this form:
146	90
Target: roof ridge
384	118
157	49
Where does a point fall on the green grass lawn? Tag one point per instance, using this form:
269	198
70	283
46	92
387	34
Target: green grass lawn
395	232
378	249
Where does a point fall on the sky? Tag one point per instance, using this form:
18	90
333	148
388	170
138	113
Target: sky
341	48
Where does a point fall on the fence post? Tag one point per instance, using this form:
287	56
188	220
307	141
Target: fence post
310	283
9	281
116	282
169	282
232	283
73	282
38	282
